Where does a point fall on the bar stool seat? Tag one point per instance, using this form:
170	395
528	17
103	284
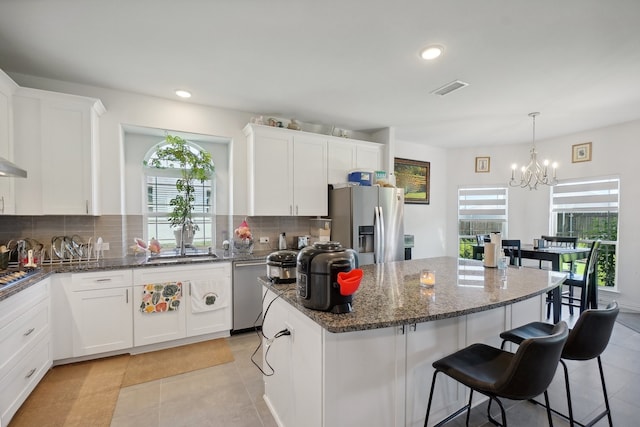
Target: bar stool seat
587	340
500	374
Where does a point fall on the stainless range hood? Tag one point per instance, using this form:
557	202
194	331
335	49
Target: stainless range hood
10	169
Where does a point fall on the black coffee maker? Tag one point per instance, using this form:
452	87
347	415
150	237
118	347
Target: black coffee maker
317	272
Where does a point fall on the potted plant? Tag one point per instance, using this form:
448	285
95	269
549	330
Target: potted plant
194	166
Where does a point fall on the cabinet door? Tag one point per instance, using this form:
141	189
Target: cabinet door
426	343
213	281
66	153
310	175
369	156
6	142
100	304
56	138
102	320
341	159
270	174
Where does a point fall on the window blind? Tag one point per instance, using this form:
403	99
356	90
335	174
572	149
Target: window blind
482	204
600	195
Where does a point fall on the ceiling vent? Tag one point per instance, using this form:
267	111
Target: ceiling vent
450	87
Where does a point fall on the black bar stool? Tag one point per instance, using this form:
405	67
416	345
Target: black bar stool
500	374
587	340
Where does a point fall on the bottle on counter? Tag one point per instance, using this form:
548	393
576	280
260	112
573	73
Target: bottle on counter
282	241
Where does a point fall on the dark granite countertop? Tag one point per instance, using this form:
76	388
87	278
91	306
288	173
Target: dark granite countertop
390	293
131	261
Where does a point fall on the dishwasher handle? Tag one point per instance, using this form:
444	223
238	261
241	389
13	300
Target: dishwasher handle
249	264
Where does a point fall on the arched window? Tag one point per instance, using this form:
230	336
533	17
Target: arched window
160	188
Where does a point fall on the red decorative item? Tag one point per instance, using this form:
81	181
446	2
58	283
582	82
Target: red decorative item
349	281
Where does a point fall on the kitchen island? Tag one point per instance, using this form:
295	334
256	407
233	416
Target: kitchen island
373	366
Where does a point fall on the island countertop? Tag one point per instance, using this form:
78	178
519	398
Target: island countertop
390	294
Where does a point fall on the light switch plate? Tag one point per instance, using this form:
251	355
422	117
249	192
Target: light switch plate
105	246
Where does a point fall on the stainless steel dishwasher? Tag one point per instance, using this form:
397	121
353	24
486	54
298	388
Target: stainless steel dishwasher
247	294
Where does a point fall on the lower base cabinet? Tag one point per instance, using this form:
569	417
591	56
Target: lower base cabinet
25	346
101	308
378	377
205	303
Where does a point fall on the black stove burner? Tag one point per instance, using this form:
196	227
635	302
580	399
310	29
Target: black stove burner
13	277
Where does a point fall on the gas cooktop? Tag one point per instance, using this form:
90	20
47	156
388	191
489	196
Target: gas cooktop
13	277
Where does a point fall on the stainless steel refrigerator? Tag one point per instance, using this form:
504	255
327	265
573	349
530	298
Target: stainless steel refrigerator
369	220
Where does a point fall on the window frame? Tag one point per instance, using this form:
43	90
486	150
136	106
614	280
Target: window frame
599	199
203	237
500	209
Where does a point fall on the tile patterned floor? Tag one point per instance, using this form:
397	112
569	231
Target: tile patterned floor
230	395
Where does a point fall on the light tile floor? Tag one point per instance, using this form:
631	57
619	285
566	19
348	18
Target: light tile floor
230	395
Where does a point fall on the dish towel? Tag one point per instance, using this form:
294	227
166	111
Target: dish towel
207	295
160	297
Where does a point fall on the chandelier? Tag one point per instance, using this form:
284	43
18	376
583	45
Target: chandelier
533	174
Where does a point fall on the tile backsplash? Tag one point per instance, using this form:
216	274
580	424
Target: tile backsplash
120	230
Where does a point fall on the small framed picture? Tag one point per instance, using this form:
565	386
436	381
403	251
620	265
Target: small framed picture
483	164
581	152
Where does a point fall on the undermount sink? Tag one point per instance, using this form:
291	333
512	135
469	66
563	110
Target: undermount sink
174	259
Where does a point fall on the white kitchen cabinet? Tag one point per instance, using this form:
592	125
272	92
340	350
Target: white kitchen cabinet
346	155
208	301
152	328
375	377
101	308
287	172
25	346
7	185
296	361
56	139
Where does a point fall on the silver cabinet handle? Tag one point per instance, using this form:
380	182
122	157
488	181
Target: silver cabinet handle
127	296
26	334
86	204
103	280
31	372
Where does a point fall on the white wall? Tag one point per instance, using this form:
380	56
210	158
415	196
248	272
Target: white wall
427	222
616	150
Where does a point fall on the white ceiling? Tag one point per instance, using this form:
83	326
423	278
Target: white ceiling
351	63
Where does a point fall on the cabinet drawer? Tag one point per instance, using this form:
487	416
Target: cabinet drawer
100	280
22	379
17	304
21	333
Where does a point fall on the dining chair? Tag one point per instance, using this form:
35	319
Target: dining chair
497	373
512	248
481	239
585	282
587	340
561	242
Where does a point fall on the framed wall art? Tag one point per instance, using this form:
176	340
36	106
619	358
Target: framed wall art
483	164
414	177
581	152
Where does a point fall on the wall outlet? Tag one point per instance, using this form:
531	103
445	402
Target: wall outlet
264	240
288	326
105	246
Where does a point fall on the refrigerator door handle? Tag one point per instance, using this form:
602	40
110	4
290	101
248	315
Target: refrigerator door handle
382	232
376	236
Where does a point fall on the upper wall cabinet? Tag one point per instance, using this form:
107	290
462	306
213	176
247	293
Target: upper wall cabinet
7	88
287	172
56	140
345	155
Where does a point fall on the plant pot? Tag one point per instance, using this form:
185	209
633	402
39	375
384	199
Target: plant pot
188	234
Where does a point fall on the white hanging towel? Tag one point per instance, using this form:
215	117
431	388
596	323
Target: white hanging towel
208	295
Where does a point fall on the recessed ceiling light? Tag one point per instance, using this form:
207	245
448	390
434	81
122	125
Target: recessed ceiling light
183	93
431	52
